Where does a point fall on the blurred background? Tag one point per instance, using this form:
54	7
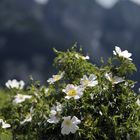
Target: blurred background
29	29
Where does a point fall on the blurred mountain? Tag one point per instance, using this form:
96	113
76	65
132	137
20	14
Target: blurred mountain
29	30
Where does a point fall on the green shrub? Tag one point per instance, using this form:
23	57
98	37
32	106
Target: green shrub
83	101
4	97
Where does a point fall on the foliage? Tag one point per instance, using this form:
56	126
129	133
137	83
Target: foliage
106	107
4	97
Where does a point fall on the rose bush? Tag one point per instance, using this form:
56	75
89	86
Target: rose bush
82	101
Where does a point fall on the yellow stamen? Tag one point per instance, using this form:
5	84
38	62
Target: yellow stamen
68	122
57	77
86	82
72	92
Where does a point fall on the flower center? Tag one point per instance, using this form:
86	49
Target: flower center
57	77
21	97
68	122
86	82
72	92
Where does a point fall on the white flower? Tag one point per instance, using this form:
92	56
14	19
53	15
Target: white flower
27	119
4	124
58	108
85	57
89	82
73	91
55	78
21	84
91	96
82	57
46	90
120	53
19	98
115	79
100	112
15	84
138	102
70	125
55	111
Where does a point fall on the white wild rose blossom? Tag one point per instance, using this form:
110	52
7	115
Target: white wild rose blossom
55	111
73	91
82	57
19	98
15	84
115	79
89	81
27	119
69	125
3	124
55	78
138	102
120	53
